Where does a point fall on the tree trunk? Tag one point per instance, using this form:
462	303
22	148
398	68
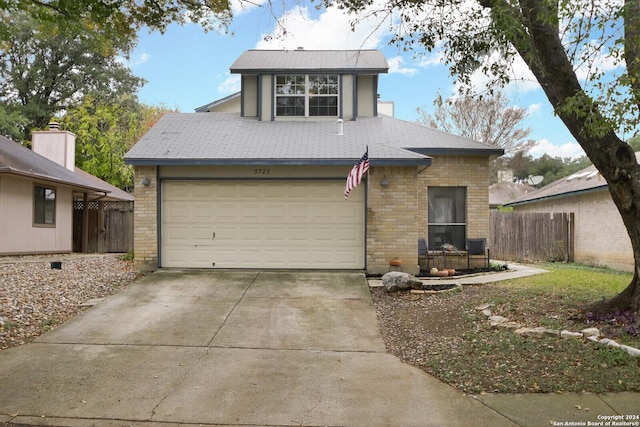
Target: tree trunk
540	46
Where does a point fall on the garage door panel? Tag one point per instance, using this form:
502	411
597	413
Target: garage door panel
261	224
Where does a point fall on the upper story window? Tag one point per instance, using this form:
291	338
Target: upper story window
312	95
44	206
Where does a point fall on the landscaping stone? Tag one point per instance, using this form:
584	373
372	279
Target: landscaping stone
498	319
508	325
569	334
399	281
607	341
590	332
632	351
537	332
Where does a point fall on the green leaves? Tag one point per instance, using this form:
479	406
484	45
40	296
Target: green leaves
105	130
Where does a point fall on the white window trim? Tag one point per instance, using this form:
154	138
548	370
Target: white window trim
306	94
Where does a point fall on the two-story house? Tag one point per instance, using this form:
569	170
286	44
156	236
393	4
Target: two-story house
258	181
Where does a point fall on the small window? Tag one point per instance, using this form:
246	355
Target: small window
447	213
307	95
44	206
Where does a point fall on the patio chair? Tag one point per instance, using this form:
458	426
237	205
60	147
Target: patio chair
423	254
477	248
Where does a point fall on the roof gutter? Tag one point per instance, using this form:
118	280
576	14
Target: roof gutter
558	196
276	162
47	178
456	151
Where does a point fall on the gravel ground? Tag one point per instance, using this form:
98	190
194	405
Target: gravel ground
35	297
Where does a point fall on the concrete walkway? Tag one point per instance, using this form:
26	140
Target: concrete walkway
248	349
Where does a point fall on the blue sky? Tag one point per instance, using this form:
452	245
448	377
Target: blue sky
187	68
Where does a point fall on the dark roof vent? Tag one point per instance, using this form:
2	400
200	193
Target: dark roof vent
54	126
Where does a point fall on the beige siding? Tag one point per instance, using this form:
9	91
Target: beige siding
366	96
19	235
250	95
267	97
231	106
347	97
600	235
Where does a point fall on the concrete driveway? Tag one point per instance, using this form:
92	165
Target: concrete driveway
231	348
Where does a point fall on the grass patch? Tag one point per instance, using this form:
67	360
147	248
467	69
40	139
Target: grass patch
476	358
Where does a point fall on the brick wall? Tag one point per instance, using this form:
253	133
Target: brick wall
454	171
145	237
397	214
392	219
600	235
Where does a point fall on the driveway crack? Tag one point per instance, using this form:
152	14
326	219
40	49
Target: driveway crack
205	353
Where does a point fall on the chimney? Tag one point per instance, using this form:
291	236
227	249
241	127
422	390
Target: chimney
56	145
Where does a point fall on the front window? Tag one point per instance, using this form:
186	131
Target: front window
447	213
44	206
314	95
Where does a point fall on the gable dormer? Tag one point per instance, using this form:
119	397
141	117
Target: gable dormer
309	84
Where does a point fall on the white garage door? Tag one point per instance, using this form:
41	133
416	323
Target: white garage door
261	224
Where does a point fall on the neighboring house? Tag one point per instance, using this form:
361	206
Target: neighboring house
263	187
600	235
502	193
37	192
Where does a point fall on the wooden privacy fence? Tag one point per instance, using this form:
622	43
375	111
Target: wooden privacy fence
110	226
532	236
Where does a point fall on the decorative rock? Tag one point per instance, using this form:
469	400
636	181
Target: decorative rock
483	307
536	332
593	338
486	312
568	334
508	325
607	341
498	319
630	350
590	332
399	281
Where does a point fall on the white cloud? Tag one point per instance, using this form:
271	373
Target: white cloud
395	67
568	149
238	7
534	109
332	29
230	85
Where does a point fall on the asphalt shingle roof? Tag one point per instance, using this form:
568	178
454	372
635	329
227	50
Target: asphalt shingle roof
227	138
18	160
358	61
586	180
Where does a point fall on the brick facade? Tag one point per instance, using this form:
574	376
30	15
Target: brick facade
397	214
392	219
145	238
601	238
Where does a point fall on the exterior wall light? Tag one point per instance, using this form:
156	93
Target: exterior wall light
146	181
384	182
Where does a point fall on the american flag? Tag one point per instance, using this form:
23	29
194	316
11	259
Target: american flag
357	172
